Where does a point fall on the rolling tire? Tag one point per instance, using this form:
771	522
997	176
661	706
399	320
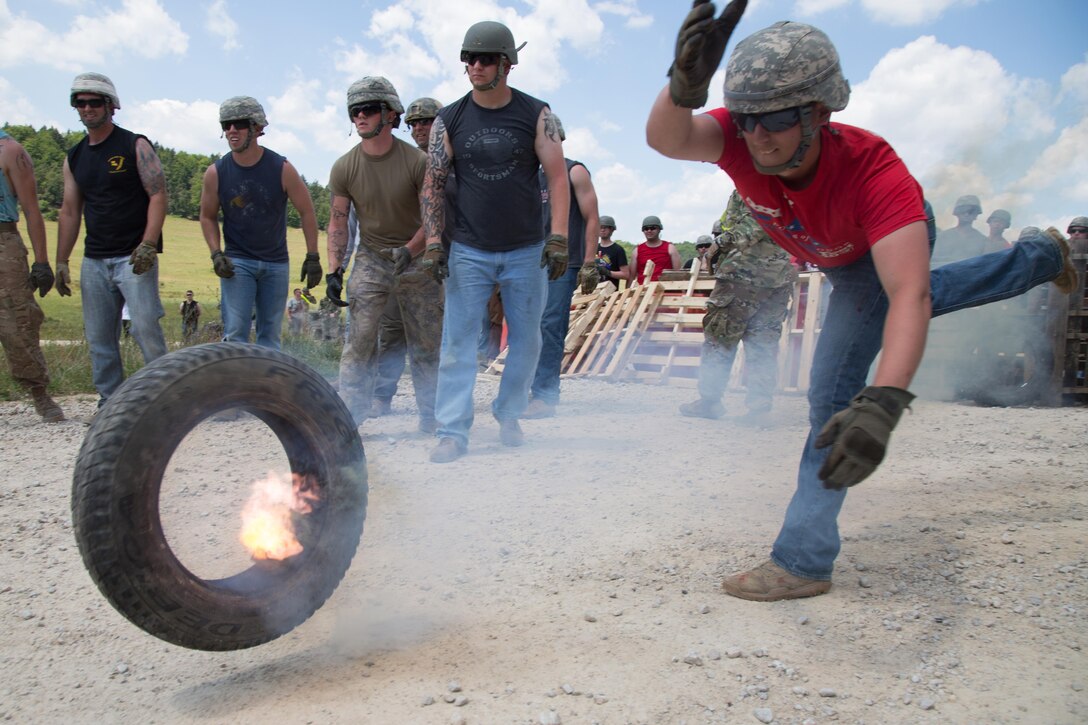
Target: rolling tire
119	471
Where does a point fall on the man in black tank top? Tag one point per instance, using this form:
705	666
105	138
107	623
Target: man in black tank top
496	139
114	179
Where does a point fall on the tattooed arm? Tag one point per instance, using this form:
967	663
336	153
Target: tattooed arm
150	168
432	198
338	231
19	169
549	149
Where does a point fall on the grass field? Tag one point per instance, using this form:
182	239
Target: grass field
185	264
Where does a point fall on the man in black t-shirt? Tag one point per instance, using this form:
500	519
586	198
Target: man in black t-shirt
611	257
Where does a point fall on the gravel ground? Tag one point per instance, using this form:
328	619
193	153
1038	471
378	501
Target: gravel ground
575	580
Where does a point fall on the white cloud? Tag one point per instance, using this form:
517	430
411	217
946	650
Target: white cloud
582	145
319	117
1059	170
218	22
910	12
628	10
141	28
1075	83
180	125
14	106
815	7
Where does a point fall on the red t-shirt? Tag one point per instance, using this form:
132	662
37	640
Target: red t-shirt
660	256
861	193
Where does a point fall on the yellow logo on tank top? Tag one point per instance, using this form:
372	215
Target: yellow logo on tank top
116	164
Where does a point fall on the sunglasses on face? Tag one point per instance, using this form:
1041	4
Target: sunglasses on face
421	122
89	102
774	122
484	59
241	124
1078	230
367	109
649	229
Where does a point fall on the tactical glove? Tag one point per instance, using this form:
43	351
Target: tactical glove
64	280
41	278
555	256
222	265
311	270
143	257
334	287
309	296
588	277
858	436
700	45
435	261
401	259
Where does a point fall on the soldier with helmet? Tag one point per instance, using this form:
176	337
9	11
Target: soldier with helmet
419	118
663	254
837	196
496	138
1078	234
382	178
114	180
998	221
963	240
251	185
611	257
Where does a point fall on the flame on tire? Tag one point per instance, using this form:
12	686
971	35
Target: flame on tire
268	530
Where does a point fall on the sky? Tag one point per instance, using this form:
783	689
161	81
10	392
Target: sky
987	97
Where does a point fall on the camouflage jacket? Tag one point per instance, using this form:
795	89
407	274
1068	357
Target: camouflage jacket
751	257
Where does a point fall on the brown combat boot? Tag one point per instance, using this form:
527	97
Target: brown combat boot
703	408
448	449
510	433
769	582
1067	278
47	407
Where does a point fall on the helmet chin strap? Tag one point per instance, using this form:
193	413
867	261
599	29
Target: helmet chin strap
500	73
807	134
249	138
378	128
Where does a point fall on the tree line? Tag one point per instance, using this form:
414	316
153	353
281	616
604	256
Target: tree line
184	174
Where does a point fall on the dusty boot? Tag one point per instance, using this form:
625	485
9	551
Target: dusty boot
1067	278
47	407
537	408
379	408
428	425
769	582
703	408
760	418
448	449
510	433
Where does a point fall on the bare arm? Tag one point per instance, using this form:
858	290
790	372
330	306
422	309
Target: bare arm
432	198
20	171
300	197
674	257
71	214
624	272
150	168
674	132
338	230
415	245
902	263
586	198
632	278
549	150
209	209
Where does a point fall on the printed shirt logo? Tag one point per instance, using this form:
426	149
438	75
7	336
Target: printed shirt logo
117	164
793	233
492	154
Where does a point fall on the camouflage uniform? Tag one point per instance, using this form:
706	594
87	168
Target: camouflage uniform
748	303
20	316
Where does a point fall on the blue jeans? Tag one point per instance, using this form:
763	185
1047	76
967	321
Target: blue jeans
553	330
473	276
105	285
808	543
255	285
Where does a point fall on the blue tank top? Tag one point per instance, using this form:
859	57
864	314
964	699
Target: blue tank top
494	156
254	206
576	223
9	205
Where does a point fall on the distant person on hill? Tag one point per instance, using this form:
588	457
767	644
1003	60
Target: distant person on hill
998	221
297	309
190	317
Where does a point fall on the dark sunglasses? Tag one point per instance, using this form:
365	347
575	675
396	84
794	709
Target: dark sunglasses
89	102
1081	230
421	122
773	122
484	59
648	229
367	109
242	124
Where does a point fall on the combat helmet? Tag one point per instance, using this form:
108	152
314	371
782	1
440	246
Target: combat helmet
967	203
652	221
1000	215
1078	221
607	221
788	65
94	83
375	88
239	108
488	36
421	109
704	240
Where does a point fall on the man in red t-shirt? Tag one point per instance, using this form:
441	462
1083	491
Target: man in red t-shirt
655	249
838	197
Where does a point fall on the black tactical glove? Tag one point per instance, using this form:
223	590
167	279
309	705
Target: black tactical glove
334	287
401	259
555	256
143	257
436	261
588	277
700	45
603	270
858	436
222	265
311	270
41	278
64	280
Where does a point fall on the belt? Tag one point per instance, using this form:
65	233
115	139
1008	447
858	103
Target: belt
8	227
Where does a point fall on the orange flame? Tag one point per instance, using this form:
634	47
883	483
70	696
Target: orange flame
267	528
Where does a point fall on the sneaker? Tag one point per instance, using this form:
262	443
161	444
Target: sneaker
769	582
428	426
448	449
510	433
537	408
47	407
1067	278
703	408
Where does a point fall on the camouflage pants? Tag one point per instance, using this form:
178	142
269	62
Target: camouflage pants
421	307
739	313
20	316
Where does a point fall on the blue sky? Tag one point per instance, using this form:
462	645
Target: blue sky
984	97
